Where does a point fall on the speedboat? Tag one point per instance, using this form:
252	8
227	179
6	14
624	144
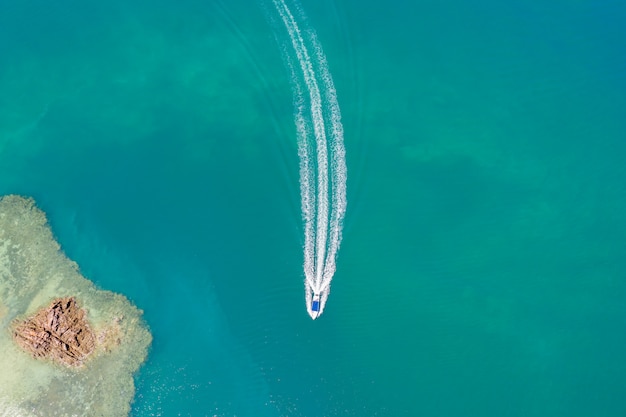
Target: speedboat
315	306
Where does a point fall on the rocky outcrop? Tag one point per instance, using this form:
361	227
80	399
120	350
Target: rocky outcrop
59	332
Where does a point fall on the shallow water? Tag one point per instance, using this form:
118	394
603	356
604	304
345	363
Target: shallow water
481	268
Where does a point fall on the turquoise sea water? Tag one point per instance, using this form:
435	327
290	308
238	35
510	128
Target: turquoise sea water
482	269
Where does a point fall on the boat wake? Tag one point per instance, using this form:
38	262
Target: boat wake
323	169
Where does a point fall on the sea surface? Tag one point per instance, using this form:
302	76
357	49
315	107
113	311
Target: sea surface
482	269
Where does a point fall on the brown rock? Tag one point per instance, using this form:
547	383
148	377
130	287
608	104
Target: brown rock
59	332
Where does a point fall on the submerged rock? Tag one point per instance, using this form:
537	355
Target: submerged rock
63	341
59	332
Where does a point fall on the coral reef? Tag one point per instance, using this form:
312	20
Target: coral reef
63	341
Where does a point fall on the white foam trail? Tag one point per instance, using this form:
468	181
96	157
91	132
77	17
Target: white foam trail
319	132
306	178
324	180
339	169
